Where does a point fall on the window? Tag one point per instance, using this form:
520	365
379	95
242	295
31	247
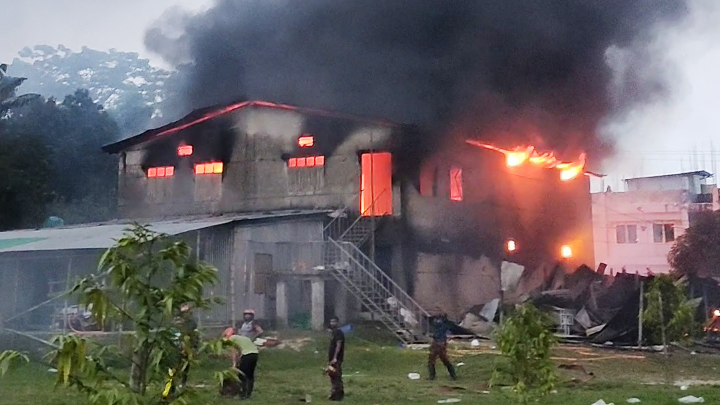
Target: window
158	190
626	234
456	184
209	168
161	171
663	233
185	150
306	175
306	141
308	161
376	184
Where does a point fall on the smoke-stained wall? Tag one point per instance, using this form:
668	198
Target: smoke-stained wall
254	144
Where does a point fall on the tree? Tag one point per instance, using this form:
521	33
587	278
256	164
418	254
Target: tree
83	178
526	340
697	251
668	314
24	181
8	92
144	281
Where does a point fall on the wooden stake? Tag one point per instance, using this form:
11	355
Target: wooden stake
640	314
662	324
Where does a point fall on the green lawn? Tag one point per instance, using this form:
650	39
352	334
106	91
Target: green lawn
377	374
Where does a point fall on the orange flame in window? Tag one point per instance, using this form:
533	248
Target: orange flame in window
521	154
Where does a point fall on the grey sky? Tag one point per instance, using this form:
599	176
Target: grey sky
659	138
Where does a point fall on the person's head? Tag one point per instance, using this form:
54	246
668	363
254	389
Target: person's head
228	332
248	315
334	322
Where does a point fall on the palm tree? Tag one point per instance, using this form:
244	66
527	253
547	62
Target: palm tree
8	92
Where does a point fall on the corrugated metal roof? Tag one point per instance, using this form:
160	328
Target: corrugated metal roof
102	236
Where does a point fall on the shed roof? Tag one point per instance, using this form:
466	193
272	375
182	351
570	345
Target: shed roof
104	235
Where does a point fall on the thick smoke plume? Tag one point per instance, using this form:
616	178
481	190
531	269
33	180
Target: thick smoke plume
506	71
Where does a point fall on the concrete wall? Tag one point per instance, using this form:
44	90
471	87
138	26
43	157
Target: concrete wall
641	209
454	283
254	143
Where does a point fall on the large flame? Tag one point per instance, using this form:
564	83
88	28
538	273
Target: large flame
521	154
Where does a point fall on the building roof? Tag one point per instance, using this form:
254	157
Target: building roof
701	173
208	113
104	235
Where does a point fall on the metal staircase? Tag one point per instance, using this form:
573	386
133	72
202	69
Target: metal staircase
345	261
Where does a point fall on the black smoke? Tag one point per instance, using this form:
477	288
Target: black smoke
529	70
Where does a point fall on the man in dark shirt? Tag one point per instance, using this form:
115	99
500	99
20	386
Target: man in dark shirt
336	354
438	347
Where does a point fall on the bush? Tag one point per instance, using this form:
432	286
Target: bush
677	311
526	340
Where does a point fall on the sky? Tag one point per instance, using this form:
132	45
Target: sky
671	135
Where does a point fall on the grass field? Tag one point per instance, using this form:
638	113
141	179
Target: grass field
377	374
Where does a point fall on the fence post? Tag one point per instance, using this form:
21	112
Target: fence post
640	314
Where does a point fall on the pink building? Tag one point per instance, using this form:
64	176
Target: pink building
635	229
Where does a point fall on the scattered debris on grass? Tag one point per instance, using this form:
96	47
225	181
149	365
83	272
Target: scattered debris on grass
602	402
633	401
449	401
414	376
691	400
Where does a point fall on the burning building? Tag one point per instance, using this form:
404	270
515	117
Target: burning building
437	226
309	211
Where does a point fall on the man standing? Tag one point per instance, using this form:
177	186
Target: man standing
245	358
250	328
438	347
336	355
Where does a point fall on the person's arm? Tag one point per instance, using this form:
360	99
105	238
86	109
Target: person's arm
258	329
338	347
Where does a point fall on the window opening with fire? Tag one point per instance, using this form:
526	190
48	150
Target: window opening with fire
209	168
306	175
456	184
663	233
161	171
626	234
376	183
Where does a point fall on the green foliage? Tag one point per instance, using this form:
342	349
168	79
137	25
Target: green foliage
148	281
677	312
24	182
9	359
82	179
697	251
525	339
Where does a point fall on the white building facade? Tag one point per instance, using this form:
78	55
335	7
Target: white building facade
634	230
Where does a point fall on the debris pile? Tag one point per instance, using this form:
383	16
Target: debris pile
586	304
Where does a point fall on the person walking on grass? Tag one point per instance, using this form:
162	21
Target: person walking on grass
336	355
244	357
438	347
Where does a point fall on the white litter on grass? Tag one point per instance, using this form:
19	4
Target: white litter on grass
52	370
449	401
691	400
200	386
484	392
684	387
602	402
414	376
633	401
475	343
460	364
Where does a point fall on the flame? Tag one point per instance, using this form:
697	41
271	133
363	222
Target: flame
521	154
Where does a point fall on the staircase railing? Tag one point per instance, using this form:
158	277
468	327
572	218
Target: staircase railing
377	291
